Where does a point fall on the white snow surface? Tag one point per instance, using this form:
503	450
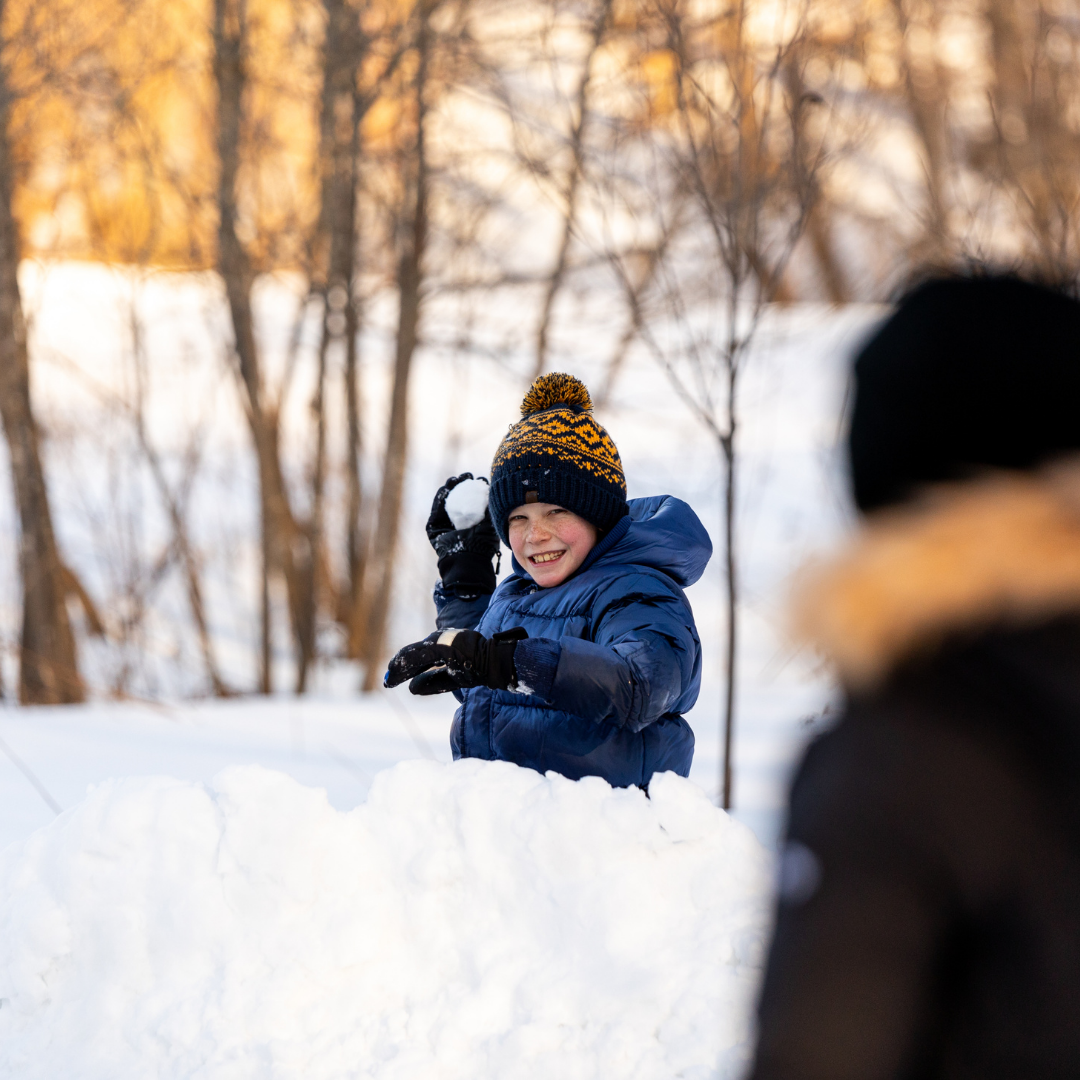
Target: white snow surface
113	526
468	920
467	503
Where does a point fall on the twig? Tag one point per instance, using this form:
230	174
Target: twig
412	727
39	787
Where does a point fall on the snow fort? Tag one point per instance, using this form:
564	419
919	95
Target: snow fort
473	920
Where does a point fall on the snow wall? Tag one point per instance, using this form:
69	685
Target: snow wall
474	920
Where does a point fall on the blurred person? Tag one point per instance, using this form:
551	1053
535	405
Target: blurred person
584	659
928	917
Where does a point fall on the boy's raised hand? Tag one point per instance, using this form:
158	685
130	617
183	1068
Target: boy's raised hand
464	554
455	660
438	522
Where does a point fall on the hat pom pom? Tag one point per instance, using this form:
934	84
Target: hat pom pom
558	388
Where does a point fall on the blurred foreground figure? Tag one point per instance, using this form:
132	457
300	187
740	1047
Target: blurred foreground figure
929	911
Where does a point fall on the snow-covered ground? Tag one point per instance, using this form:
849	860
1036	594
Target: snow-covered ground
435	919
112	528
338	745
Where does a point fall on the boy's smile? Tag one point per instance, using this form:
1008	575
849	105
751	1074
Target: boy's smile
549	542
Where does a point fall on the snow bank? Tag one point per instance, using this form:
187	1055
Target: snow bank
471	920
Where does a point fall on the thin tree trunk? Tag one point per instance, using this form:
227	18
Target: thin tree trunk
1025	118
926	99
832	273
339	135
188	562
266	659
356	536
48	670
308	570
189	565
577	150
738	272
384	548
282	543
633	293
730	625
355	539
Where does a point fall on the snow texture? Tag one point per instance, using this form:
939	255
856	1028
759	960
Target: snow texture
470	920
467	503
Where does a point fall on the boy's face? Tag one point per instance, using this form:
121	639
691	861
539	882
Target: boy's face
550	542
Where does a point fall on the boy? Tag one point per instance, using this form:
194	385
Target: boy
583	660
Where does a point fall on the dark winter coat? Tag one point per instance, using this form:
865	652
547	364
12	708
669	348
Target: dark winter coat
929	914
612	660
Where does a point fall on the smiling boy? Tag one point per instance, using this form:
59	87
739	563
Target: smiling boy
585	658
550	541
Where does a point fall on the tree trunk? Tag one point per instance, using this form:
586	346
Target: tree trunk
345	47
188	562
266	652
410	265
283	545
819	229
577	150
1027	115
731	599
48	669
927	101
356	537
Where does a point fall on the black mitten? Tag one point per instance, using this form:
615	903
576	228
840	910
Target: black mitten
455	660
464	554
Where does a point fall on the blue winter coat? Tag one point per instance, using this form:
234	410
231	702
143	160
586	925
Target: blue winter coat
612	659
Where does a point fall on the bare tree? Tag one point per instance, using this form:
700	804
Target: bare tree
579	119
636	271
412	235
285	547
1035	143
924	87
48	671
348	93
334	257
741	144
175	503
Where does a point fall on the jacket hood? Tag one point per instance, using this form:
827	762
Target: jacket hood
666	534
1004	551
661	532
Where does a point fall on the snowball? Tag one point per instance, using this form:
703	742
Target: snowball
467	502
475	921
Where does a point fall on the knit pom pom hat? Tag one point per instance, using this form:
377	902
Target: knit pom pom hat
557	453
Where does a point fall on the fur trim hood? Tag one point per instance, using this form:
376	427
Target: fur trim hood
1000	551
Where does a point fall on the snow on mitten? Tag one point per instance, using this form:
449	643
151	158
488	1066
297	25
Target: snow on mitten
460	530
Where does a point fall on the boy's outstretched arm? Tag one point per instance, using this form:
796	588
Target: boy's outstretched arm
644	654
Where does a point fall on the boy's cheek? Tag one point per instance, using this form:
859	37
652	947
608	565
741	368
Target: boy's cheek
518	553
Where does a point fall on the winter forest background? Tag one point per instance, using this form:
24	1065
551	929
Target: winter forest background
271	269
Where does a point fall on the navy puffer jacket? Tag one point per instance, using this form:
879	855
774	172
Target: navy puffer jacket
612	659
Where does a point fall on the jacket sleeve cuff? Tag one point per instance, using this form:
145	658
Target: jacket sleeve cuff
458	608
535	662
467	571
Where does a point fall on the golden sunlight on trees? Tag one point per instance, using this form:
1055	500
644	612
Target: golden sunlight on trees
111	123
115	128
